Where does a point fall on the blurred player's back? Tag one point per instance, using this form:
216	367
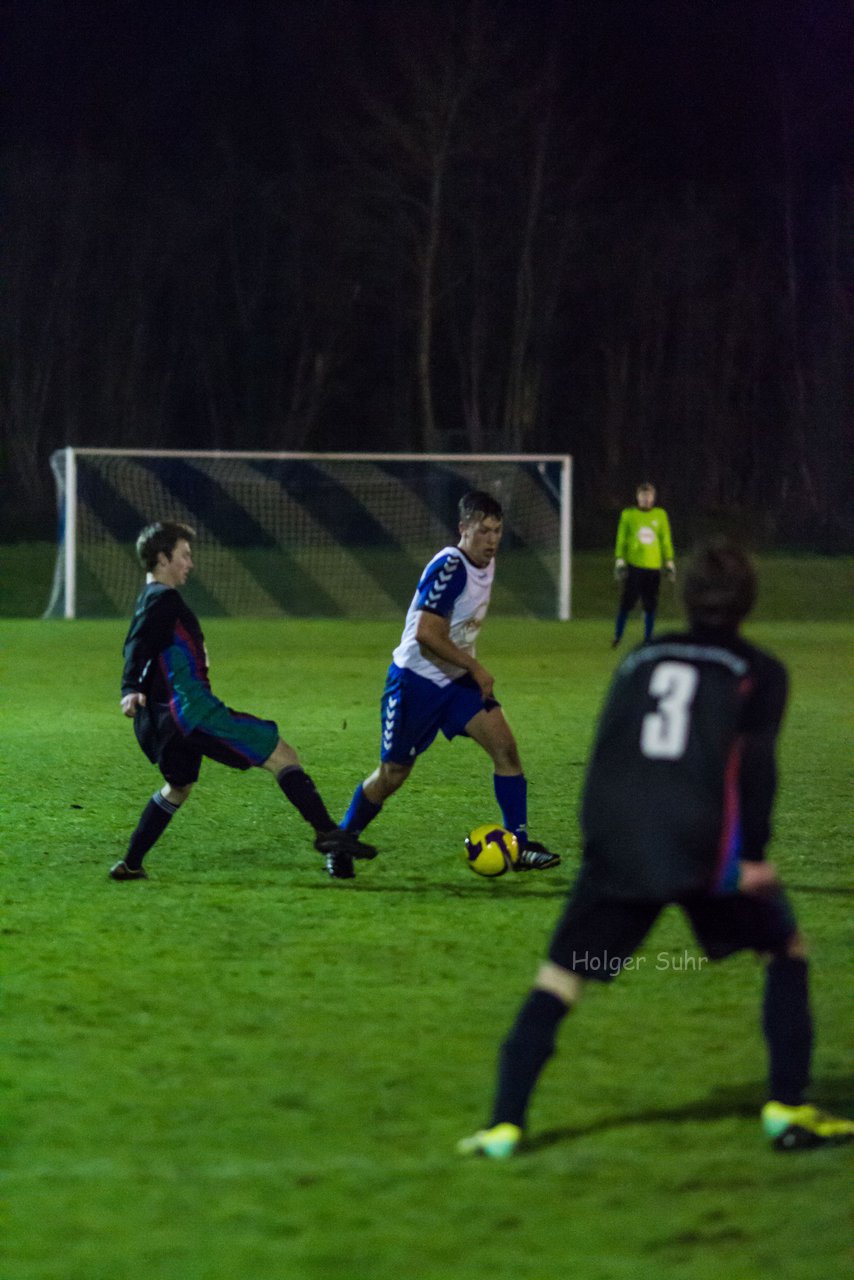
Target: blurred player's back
662	802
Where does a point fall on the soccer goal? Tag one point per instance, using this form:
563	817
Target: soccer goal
305	534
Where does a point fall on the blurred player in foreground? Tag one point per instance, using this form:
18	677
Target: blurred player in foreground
677	809
643	545
435	681
178	720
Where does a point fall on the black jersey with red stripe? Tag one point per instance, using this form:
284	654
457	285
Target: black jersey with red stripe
682	775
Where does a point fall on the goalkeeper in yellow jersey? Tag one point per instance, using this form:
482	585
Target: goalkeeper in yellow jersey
643	545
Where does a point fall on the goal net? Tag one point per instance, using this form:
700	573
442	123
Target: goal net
304	534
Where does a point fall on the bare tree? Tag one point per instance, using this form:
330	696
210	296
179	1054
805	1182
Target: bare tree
406	150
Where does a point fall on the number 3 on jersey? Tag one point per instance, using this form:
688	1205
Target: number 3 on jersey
664	732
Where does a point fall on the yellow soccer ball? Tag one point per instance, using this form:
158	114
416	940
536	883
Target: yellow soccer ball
491	850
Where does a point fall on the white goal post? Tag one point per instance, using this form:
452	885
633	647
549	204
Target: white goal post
305	534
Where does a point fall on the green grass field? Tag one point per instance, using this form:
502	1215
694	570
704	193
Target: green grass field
242	1069
804	588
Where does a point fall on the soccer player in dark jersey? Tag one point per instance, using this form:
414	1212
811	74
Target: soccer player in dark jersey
178	720
677	809
435	682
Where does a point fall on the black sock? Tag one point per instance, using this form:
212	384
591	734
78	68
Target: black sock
524	1053
299	788
154	820
787	1024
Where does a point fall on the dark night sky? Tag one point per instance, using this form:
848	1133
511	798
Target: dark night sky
681	87
710	142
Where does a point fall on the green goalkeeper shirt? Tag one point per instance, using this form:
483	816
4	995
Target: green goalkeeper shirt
643	538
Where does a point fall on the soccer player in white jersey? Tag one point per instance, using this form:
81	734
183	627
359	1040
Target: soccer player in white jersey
435	681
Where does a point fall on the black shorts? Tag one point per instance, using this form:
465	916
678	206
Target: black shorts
235	739
180	760
643	585
597	934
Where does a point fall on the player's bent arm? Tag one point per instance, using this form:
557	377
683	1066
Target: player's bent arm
621	545
432	631
666	539
757	787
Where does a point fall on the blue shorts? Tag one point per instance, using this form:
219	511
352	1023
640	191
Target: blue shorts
414	709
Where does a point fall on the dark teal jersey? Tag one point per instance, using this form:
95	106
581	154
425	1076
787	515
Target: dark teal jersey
682	776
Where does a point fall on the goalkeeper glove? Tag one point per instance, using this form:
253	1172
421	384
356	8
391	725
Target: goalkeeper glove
671	570
620	570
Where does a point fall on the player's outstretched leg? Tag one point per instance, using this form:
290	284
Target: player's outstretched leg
338	847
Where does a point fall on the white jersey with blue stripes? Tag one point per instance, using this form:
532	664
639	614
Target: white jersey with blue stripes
455	588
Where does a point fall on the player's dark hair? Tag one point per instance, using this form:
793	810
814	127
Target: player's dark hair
720	585
477	503
161	536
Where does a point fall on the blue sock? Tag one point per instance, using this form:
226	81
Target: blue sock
512	796
361	812
648	624
620	624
